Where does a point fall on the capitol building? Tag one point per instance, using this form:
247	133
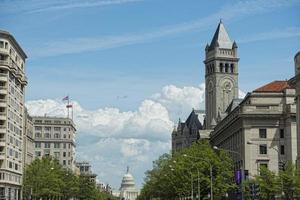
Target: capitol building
127	189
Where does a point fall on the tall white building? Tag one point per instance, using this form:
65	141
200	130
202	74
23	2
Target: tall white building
12	93
55	137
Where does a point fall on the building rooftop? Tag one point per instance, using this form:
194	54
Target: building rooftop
275	86
221	38
9	36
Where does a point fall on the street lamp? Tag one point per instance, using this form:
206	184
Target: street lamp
241	166
211	176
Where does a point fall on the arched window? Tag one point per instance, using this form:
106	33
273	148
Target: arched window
226	67
221	67
232	68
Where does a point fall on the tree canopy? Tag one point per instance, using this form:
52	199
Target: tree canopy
46	179
173	176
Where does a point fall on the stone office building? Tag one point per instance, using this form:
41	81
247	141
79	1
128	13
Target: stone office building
28	140
262	129
12	90
295	82
55	137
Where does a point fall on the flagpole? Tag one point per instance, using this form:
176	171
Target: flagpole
68	105
72	112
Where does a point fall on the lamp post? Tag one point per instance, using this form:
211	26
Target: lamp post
280	161
241	167
211	177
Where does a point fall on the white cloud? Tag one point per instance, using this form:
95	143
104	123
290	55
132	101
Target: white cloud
111	139
180	101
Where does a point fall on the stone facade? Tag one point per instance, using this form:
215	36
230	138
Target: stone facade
221	75
28	144
262	129
55	136
85	169
295	82
12	95
187	132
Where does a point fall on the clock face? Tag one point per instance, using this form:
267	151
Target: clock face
227	85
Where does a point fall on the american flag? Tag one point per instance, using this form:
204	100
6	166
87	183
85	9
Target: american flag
66	98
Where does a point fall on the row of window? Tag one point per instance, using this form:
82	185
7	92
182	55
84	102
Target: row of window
263	149
223	68
263	133
10	177
49	128
14	153
14	141
15	117
14	129
56	155
18	86
38	121
12	165
55	135
56	145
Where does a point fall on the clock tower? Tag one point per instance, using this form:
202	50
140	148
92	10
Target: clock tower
221	75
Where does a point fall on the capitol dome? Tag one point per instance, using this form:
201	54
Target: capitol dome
127	189
128	181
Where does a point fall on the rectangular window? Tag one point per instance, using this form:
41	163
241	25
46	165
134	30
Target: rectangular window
47	135
56	128
263	149
64	162
263	165
56	145
10	164
281	133
47	128
57	155
64	154
47	145
65	145
262	133
37	145
37	153
282	149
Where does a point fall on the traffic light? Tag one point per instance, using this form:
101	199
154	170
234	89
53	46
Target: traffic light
254	190
281	165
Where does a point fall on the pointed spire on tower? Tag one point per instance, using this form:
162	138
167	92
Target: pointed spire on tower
127	170
221	38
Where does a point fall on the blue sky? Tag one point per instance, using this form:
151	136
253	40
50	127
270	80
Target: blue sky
117	53
141	66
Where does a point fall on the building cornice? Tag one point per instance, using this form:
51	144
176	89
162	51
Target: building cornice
11	38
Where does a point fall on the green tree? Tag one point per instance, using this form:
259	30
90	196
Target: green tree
46	179
290	181
269	184
173	176
42	179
